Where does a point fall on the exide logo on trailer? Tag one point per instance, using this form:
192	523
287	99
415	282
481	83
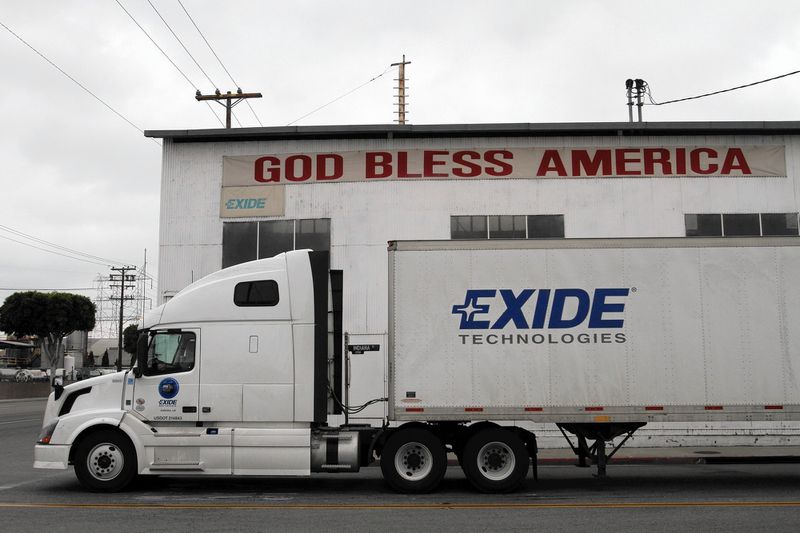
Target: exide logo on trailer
538	309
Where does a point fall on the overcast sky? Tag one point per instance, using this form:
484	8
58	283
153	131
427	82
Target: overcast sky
75	174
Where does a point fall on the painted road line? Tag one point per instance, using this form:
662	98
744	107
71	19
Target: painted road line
390	506
19	420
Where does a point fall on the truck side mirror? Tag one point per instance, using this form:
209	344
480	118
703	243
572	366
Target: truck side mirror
141	354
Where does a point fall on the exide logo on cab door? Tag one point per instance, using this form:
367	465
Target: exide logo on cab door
540	309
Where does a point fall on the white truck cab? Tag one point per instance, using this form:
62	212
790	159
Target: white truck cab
239	360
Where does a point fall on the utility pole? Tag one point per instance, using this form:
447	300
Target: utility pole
228	102
401	90
122	281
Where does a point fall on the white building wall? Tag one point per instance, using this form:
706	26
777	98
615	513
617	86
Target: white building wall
364	216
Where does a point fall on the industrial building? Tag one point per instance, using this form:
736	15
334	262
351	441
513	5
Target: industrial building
233	195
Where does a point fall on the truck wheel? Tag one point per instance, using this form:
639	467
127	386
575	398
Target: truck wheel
495	460
105	461
413	460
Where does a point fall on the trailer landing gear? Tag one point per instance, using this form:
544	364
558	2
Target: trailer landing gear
599	433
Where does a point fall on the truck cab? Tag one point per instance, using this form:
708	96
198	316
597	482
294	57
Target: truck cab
239	360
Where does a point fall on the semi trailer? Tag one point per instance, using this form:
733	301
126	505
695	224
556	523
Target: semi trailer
242	372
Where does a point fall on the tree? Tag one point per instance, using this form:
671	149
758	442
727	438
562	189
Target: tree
50	316
129	338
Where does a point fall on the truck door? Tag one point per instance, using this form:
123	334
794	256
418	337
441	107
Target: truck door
168	388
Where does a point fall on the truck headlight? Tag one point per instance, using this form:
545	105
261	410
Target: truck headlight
47	432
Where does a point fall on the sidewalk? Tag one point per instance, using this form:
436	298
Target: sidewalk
684	455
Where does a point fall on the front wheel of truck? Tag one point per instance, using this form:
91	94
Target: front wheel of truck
105	461
413	460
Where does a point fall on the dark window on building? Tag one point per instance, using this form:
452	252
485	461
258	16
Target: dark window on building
468	227
314	234
239	243
246	241
545	226
507	227
256	293
779	224
741	224
738	225
275	237
703	225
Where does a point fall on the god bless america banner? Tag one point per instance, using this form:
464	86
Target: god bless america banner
734	161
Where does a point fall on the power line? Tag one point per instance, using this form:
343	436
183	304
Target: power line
52	251
342	96
180	42
182	45
218	59
58	246
165	55
76	82
58	289
653	102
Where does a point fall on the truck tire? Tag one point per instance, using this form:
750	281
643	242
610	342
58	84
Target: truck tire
105	461
495	460
413	460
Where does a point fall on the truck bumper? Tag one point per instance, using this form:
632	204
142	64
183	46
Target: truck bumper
52	456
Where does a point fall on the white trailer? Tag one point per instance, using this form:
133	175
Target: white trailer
238	373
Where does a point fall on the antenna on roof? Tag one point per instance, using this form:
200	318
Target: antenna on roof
636	88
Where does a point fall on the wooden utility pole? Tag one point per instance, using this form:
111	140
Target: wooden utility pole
401	90
228	102
124	281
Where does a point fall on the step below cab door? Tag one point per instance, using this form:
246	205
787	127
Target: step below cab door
167	391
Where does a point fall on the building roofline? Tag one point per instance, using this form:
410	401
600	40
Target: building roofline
397	131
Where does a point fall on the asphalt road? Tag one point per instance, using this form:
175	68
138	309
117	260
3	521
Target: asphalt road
650	497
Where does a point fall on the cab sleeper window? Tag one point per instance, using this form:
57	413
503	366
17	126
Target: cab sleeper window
256	293
170	352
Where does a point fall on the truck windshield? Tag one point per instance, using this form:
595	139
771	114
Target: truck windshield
170	353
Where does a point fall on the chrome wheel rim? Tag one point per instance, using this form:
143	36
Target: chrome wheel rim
496	461
413	461
105	461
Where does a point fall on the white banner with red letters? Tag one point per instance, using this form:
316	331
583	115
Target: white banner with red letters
505	163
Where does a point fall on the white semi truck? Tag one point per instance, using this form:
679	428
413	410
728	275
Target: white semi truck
239	372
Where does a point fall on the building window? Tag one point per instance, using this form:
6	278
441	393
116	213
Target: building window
468	227
779	224
239	243
246	241
703	225
741	224
545	226
313	233
506	227
275	237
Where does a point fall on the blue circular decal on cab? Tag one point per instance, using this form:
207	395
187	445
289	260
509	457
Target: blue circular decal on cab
168	388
